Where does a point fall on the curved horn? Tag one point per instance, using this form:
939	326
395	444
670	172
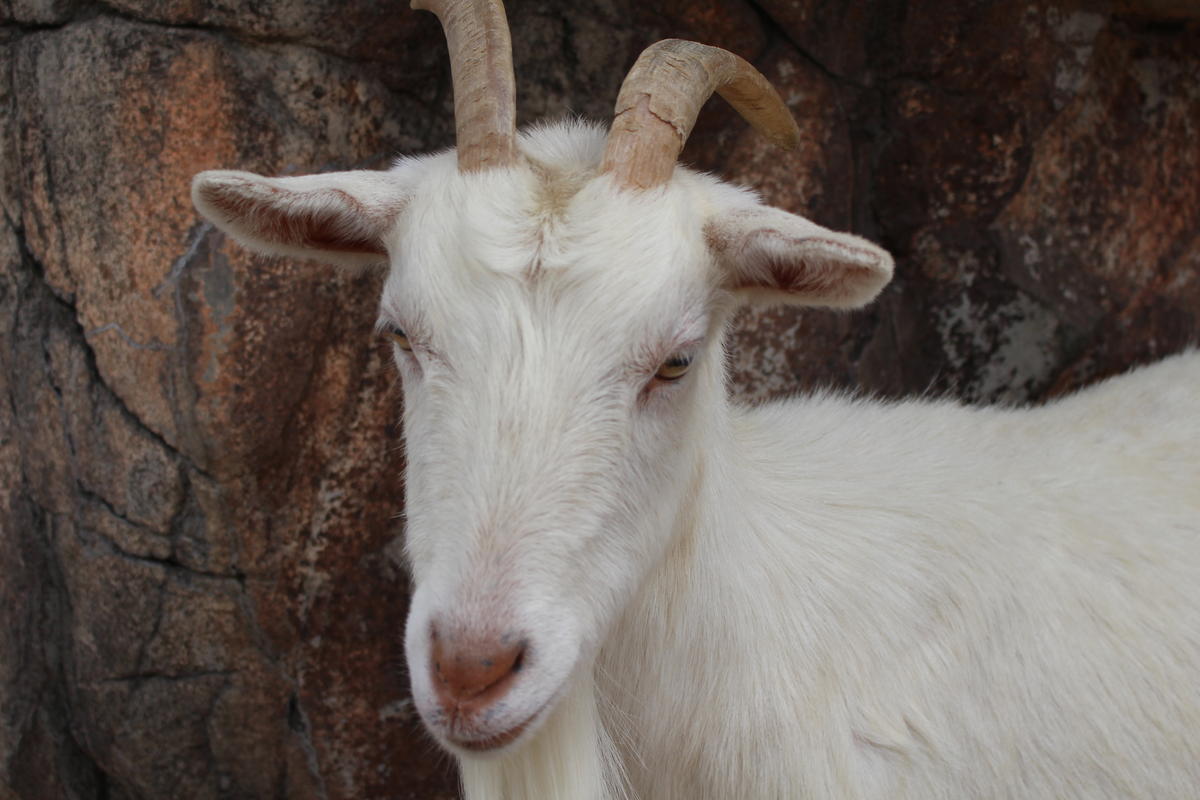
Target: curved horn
661	97
485	107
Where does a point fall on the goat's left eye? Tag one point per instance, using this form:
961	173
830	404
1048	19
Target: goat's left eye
674	367
401	339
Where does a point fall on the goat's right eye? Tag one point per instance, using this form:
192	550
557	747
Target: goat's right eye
401	339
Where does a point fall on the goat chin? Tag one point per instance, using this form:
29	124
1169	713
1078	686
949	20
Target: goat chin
570	756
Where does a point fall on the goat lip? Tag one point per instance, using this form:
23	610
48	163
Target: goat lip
495	741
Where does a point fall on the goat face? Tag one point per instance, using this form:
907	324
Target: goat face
559	341
557	301
548	405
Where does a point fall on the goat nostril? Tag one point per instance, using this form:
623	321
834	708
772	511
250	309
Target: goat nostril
520	660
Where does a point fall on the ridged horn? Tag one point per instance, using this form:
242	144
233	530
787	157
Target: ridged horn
485	108
663	93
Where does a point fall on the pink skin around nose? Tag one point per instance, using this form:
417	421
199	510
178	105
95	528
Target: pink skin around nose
472	674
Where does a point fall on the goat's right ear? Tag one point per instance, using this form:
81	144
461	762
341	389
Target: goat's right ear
338	217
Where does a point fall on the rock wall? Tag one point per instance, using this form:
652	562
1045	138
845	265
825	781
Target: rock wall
199	460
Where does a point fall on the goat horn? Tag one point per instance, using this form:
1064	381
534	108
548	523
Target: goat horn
663	93
485	108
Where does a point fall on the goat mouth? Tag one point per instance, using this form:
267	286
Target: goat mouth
495	741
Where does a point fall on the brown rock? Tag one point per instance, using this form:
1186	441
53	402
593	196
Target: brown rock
1103	231
835	35
211	542
360	30
37	12
1158	9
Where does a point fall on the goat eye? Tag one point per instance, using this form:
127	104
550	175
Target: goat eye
674	367
401	339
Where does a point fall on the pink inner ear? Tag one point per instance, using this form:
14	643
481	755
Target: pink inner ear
793	275
334	231
812	267
329	219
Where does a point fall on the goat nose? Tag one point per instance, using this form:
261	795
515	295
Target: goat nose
470	674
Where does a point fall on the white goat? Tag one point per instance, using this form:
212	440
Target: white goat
626	586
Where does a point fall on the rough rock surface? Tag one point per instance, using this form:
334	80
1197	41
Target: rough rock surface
199	464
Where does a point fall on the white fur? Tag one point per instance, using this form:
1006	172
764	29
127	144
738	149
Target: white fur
826	597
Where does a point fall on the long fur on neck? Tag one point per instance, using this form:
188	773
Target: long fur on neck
571	758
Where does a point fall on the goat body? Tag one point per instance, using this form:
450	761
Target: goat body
909	600
626	586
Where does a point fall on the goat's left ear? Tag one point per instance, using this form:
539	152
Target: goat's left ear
338	217
770	256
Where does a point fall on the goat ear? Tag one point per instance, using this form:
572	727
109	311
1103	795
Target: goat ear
770	256
338	217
